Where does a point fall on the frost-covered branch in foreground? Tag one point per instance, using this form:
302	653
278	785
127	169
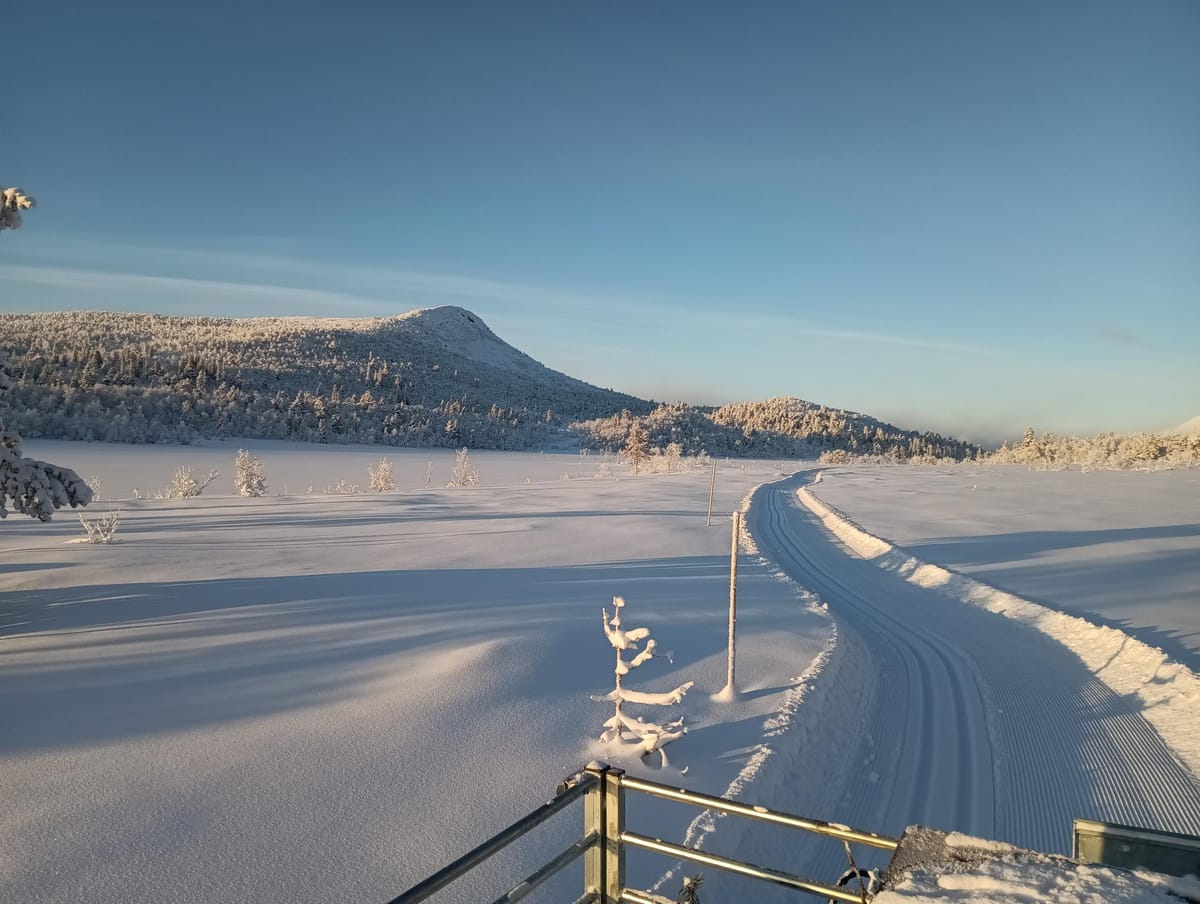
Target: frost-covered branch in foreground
12	202
30	487
639	736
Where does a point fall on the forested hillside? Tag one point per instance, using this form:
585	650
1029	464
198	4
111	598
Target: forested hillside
434	377
784	427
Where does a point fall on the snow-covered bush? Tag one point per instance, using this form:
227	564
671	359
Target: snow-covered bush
249	476
183	485
102	528
341	488
464	473
381	476
12	202
637	735
29	487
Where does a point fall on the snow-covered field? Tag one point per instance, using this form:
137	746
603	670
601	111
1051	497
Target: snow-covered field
1121	548
315	698
326	697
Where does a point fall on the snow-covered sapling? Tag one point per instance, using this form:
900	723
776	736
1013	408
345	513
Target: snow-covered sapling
644	737
249	475
380	473
464	473
183	485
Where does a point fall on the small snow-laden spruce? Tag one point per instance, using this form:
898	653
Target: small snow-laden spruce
637	448
29	487
464	473
639	736
249	475
381	476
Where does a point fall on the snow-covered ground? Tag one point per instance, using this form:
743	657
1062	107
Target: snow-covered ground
315	698
326	697
1119	547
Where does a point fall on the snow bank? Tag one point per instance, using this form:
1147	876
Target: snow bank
1031	877
1168	692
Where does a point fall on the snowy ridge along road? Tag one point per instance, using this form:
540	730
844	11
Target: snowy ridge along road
955	717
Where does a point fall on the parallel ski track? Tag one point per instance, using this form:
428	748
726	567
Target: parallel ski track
979	724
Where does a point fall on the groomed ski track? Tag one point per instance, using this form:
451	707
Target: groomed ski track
938	713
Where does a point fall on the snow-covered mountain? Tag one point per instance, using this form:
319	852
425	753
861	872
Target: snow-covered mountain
1189	428
431	377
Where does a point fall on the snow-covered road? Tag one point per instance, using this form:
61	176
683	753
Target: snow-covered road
955	717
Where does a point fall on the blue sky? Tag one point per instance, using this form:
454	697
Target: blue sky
958	216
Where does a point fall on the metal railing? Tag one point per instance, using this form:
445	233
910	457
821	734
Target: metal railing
605	840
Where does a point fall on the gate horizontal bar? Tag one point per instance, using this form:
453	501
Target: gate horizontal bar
708	802
633	896
497	842
736	866
525	886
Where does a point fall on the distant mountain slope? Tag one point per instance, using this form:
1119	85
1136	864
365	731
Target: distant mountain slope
1189	428
787	427
433	377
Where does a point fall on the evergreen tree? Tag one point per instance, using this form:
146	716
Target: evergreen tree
637	448
249	476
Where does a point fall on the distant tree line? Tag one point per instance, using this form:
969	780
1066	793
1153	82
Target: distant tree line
1106	451
781	427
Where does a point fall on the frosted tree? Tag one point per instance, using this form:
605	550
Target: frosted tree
381	476
637	447
30	487
12	202
249	476
644	738
673	455
464	473
184	486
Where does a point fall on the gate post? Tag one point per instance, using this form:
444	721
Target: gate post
604	814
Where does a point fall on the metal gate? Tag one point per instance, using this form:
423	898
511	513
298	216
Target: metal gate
605	840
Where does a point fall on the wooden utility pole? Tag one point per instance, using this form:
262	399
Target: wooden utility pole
730	687
711	486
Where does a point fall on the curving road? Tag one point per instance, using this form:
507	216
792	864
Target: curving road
958	718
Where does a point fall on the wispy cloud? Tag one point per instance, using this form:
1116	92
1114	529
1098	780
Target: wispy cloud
176	291
1119	335
253	282
374	282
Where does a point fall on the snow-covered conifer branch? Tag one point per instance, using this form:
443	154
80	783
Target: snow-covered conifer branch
31	487
12	202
